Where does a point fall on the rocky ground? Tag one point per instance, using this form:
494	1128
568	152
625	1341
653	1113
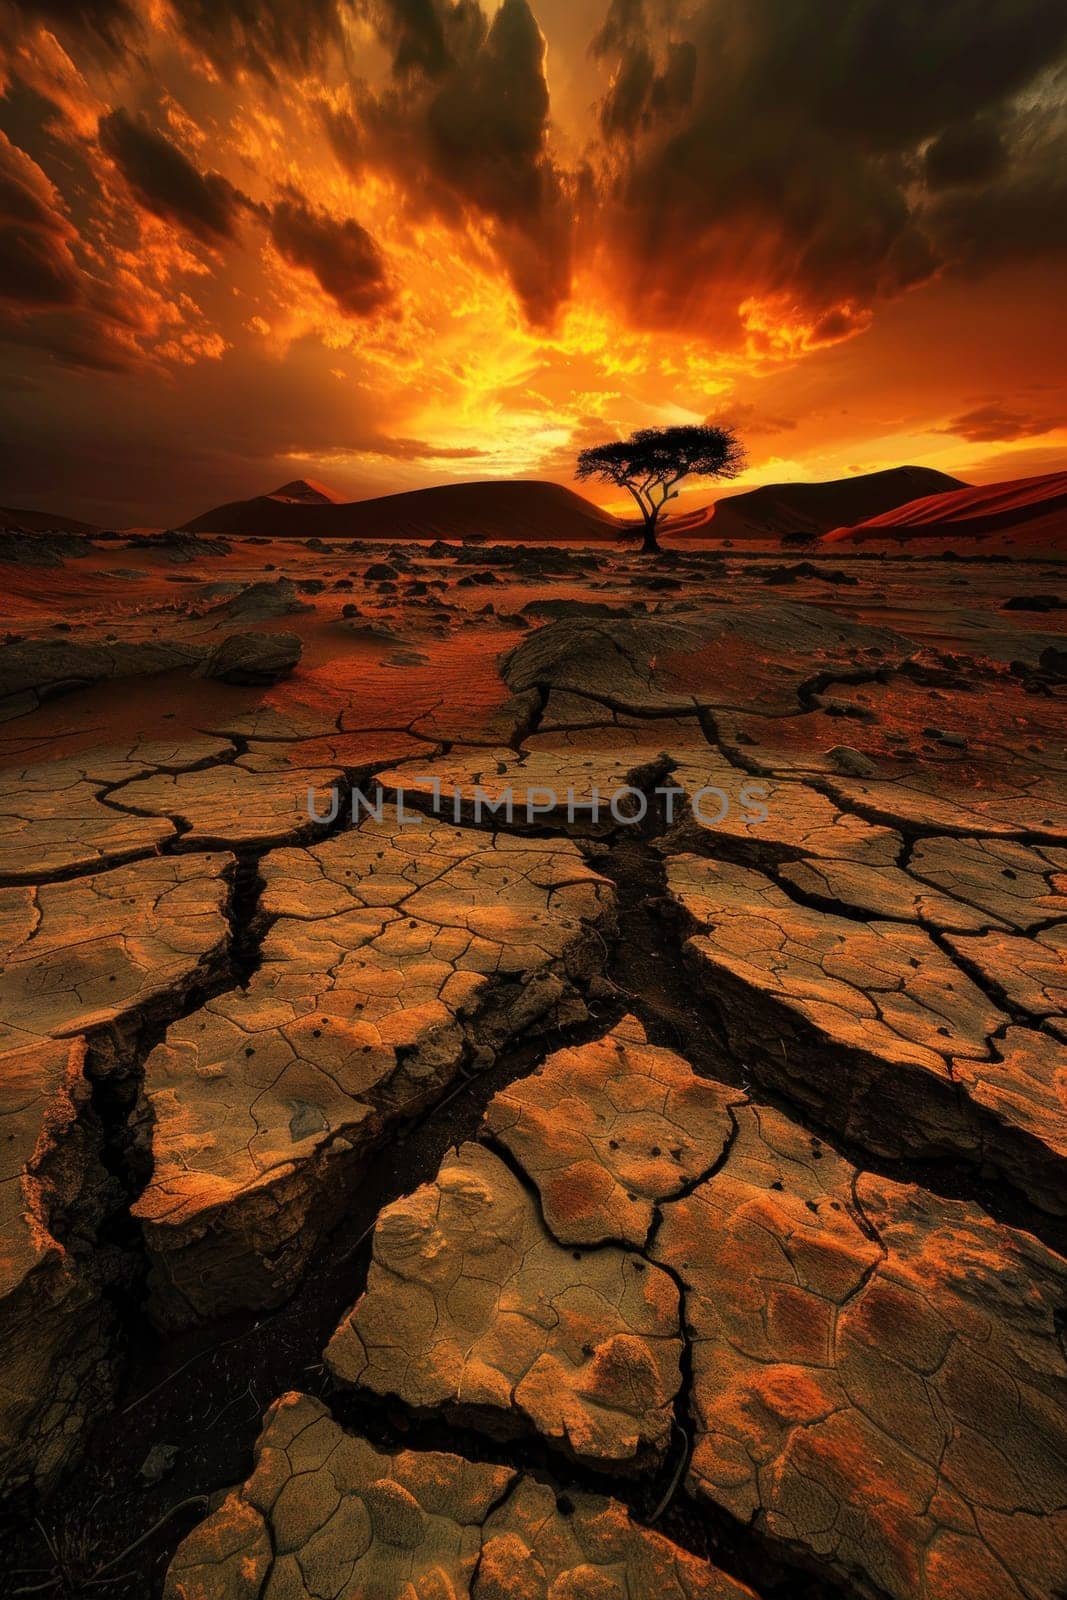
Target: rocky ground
425	1177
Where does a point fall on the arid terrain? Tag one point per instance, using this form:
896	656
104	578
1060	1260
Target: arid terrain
654	1189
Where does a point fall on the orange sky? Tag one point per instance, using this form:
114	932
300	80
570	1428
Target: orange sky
395	242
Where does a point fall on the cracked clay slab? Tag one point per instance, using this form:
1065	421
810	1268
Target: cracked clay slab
326	1514
93	952
878	1379
870	1024
395	956
53	1326
580	772
718	656
53	819
608	1130
238	804
472	1307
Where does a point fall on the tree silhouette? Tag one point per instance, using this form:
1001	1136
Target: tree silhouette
652	462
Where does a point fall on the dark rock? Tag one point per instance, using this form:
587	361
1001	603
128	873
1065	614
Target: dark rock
252	658
471	579
1035	602
39	549
262	600
179	546
573	608
46	668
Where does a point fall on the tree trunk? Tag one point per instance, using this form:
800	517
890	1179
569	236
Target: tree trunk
650	544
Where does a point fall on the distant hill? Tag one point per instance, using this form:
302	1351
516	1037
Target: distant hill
12	520
1022	516
530	512
779	509
305	492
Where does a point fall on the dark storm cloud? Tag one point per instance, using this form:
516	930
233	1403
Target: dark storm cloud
787	155
78	340
167	183
965	153
1020	211
640	93
110	21
275	38
426	36
743	414
339	251
421	450
999	424
50	301
37	270
465	129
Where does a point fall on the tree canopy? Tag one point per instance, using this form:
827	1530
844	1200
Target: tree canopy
652	462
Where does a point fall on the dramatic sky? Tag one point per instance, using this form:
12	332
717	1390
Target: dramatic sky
395	242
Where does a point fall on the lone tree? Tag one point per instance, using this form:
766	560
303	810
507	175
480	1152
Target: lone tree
653	461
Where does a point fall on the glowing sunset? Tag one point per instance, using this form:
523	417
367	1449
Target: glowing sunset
533	800
390	244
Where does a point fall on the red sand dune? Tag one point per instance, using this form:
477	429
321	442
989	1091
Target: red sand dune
492	510
1029	512
779	509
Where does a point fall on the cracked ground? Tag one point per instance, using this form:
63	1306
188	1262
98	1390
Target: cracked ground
422	1180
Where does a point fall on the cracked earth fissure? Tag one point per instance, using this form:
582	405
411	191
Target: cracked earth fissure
683	1011
206	1389
650	970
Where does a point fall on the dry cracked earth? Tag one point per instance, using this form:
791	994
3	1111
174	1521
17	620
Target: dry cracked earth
425	1179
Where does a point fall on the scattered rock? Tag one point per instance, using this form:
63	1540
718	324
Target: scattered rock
853	763
35	670
25	549
158	1462
552	606
717	655
180	546
261	601
1035	602
252	658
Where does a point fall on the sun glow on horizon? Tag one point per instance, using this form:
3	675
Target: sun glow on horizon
416	249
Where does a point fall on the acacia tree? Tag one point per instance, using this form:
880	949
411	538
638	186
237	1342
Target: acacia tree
652	462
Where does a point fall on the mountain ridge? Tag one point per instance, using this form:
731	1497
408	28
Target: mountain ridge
529	509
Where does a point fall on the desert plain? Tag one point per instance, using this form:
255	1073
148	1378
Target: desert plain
409	1199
